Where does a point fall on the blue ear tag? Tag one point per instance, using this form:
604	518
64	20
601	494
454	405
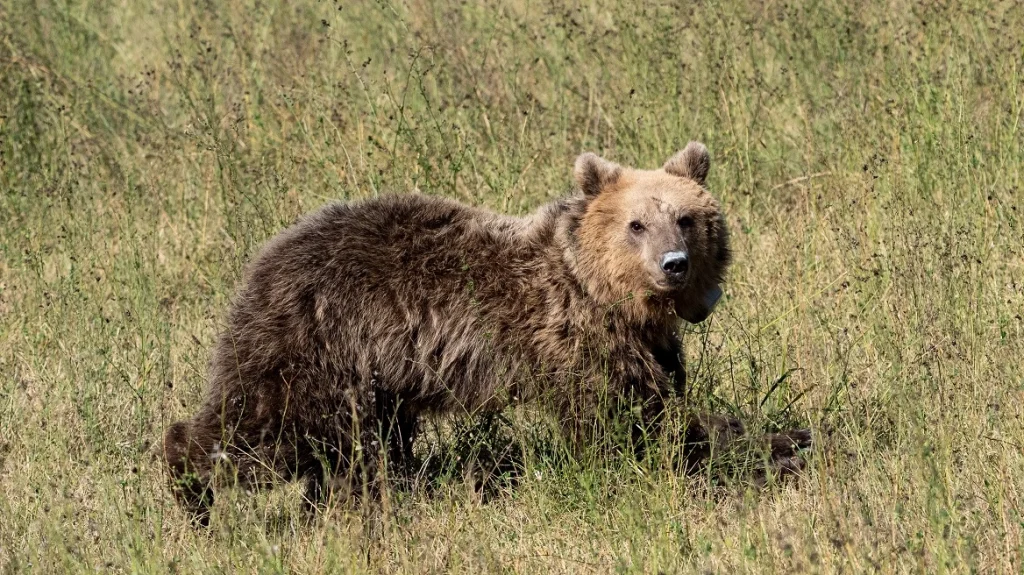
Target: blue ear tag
711	297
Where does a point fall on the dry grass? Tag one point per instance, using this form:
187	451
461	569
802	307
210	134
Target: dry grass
869	156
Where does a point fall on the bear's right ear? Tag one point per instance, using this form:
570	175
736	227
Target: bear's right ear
693	162
593	173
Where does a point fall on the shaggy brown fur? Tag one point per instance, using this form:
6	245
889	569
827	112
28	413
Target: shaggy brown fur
364	316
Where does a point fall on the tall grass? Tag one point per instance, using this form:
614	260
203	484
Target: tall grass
869	157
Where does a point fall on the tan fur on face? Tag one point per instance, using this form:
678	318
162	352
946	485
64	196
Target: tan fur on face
621	272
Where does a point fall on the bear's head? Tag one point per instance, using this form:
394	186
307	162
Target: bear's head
655	238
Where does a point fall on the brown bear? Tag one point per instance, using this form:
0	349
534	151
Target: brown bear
364	316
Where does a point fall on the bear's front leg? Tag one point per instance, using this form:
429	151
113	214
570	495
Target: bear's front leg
399	426
709	435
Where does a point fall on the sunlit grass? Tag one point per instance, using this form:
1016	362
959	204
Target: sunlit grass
868	155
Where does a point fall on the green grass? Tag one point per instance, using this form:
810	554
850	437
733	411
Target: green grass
868	155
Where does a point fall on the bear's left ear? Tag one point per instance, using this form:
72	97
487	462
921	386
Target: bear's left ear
693	162
593	173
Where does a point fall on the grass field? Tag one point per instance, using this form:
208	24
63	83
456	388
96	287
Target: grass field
869	155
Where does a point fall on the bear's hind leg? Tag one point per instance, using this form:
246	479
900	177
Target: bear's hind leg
191	471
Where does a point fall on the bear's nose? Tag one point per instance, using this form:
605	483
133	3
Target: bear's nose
675	263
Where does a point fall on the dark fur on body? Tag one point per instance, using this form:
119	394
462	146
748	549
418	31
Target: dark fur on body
365	316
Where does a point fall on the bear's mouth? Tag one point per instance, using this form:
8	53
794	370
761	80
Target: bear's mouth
671	286
689	308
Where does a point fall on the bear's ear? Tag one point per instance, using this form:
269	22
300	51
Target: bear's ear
693	162
593	173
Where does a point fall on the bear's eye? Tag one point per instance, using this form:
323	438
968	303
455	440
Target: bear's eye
636	227
686	222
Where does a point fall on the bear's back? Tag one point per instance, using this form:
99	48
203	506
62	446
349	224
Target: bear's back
419	290
422	246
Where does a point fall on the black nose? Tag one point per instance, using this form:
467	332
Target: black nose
675	263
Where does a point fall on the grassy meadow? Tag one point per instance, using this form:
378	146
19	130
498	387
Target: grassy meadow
869	156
